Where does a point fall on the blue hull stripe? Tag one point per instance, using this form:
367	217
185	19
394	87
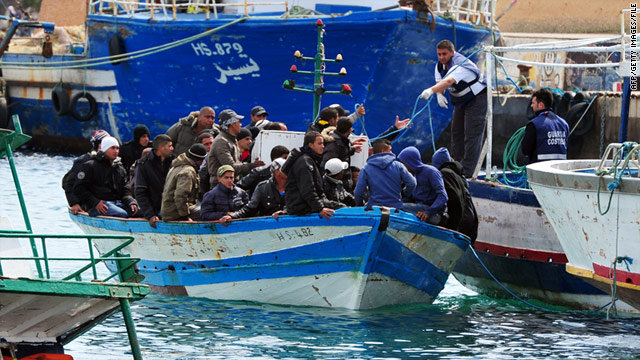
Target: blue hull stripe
506	194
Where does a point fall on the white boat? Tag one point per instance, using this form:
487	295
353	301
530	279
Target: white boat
598	227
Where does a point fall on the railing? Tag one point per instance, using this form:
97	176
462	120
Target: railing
124	263
477	12
131	7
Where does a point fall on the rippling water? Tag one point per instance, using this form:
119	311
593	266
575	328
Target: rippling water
460	324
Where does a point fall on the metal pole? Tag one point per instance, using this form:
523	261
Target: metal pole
131	329
317	77
489	77
624	115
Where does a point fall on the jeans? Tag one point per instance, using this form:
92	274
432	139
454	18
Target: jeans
114	208
415	208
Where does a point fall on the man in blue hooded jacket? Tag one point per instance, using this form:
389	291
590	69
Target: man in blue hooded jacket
385	177
429	199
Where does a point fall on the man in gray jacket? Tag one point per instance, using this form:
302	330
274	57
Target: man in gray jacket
184	133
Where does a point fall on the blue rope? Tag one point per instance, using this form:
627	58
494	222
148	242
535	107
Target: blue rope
361	119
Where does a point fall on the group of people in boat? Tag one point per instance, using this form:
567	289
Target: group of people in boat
202	170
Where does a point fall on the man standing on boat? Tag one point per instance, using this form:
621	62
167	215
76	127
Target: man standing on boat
467	88
102	184
546	136
304	189
328	117
150	175
182	186
184	133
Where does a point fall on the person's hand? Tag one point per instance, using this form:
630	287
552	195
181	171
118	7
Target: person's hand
76	208
134	209
358	144
258	163
223	220
442	101
326	213
152	221
278	213
102	207
422	215
426	94
360	111
401	124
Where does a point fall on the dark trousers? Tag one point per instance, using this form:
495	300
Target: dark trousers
467	132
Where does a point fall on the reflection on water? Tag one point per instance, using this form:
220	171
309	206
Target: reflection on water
460	324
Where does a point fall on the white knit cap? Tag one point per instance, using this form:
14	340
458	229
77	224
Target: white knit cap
335	165
108	142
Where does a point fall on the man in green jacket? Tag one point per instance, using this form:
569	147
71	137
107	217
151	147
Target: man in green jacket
184	133
181	187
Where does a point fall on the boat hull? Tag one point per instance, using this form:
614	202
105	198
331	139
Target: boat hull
593	243
356	260
517	244
389	55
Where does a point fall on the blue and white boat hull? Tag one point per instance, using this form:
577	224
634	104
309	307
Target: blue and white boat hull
357	260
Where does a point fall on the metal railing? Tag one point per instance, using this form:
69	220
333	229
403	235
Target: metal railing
477	12
124	263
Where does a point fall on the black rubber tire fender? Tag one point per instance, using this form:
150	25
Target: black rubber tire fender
116	47
574	114
93	106
60	101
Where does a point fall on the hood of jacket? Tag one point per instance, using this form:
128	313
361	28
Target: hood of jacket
182	160
454	166
191	119
326	134
382	160
411	157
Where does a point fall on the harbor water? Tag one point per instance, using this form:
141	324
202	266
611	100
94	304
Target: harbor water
460	324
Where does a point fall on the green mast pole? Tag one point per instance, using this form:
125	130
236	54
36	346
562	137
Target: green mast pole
317	78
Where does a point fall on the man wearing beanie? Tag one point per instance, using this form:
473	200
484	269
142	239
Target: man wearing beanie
184	133
245	140
225	151
132	150
224	198
69	179
460	208
429	199
182	184
102	186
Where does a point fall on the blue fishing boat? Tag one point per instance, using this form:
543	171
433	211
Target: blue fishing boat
168	60
358	259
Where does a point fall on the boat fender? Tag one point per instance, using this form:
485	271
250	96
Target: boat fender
60	100
93	106
384	219
575	113
4	113
116	47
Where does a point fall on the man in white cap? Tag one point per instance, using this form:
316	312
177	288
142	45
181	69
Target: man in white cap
334	170
101	185
224	150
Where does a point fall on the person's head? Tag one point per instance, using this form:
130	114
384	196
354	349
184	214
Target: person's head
244	139
445	51
141	135
410	157
355	174
329	115
226	175
230	121
97	137
381	145
110	147
258	113
206	117
341	111
205	138
162	146
440	157
276	125
276	165
335	168
541	99
197	153
314	141
344	126
279	151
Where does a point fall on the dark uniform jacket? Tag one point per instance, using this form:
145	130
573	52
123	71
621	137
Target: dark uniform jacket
254	177
266	200
334	190
151	173
462	213
339	146
303	190
221	200
101	180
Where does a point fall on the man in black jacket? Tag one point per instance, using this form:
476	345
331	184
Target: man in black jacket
102	184
151	173
132	150
340	147
262	173
303	189
268	196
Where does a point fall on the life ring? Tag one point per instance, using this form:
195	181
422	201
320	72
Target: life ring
60	101
116	47
574	114
93	106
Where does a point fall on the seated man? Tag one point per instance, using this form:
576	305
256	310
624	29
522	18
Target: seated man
385	178
460	208
303	190
262	173
102	184
132	150
69	179
205	138
224	197
150	175
339	146
244	145
268	196
429	199
332	182
181	187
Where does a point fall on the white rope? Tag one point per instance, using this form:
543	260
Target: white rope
560	65
567	43
561	49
